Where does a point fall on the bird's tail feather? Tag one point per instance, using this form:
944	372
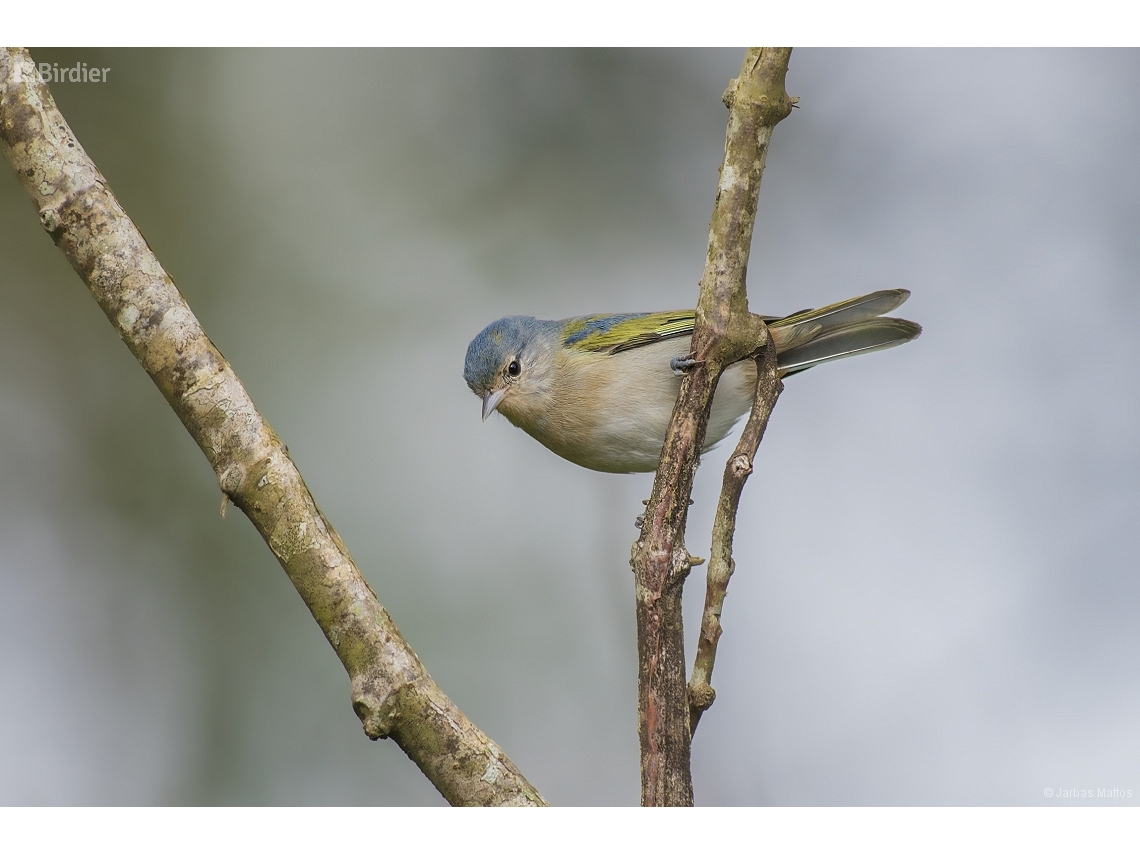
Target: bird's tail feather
842	329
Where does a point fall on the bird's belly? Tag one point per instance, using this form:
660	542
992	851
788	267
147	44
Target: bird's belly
630	396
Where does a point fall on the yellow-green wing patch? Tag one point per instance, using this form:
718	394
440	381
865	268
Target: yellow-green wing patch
615	333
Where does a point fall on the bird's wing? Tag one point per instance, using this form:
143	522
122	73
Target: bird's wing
615	333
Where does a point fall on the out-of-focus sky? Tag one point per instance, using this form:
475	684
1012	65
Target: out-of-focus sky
937	586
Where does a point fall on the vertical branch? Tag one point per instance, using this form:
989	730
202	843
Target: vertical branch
392	693
725	333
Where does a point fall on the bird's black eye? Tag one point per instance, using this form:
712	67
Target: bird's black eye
514	368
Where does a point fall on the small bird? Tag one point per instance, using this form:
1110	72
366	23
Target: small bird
599	390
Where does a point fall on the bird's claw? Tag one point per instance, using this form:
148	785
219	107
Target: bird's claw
681	364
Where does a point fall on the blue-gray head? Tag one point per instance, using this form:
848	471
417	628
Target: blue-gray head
512	356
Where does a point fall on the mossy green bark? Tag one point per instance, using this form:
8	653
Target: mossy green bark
392	693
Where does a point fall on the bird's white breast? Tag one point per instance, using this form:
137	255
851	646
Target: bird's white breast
610	412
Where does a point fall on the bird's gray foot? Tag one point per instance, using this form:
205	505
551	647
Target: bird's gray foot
681	364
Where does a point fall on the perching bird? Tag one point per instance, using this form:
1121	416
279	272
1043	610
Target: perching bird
600	390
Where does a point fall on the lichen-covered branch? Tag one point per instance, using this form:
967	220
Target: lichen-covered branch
726	332
391	691
721	563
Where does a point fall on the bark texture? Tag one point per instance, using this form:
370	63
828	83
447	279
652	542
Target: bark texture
725	332
392	693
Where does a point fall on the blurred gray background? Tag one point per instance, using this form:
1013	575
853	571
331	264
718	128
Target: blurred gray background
936	591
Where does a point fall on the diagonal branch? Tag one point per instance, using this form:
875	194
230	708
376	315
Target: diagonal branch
392	693
725	332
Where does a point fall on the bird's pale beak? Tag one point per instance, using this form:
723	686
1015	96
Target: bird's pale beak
491	400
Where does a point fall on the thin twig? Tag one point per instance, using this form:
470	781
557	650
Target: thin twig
721	563
725	332
391	691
